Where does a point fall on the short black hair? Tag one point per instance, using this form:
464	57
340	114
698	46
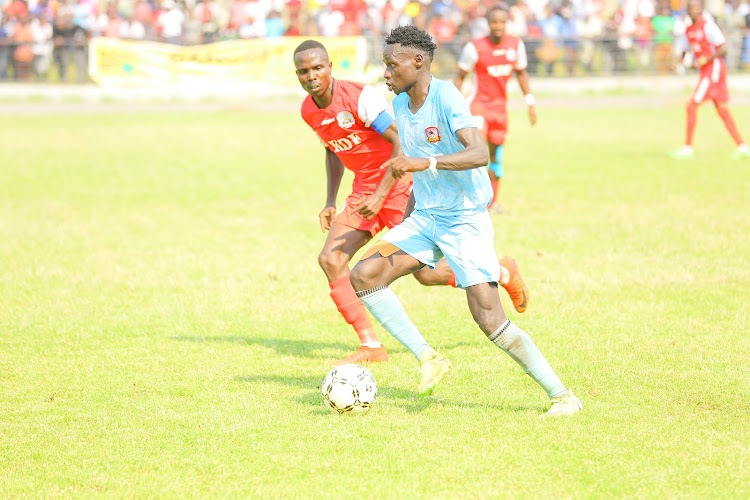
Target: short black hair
411	36
310	44
501	6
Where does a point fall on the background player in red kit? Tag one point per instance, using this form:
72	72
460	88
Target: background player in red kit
709	46
352	121
494	59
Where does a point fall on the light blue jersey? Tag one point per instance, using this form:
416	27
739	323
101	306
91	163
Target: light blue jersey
431	131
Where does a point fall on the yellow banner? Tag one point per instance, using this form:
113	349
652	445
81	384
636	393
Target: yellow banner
267	61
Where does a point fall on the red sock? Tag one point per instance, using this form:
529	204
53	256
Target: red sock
495	189
726	117
692	119
452	280
352	309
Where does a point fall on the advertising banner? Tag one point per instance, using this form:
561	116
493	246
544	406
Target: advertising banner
267	61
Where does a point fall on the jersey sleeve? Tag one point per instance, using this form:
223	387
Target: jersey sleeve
456	110
521	61
714	34
469	57
371	104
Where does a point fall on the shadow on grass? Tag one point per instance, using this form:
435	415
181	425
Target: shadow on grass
407	400
301	348
286	347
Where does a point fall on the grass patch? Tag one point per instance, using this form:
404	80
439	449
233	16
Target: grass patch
164	326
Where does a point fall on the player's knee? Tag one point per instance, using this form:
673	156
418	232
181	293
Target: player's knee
489	322
360	277
330	262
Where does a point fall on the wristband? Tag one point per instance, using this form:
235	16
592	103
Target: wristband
433	164
530	101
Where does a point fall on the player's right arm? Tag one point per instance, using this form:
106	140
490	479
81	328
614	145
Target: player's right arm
334	173
458	81
466	63
473	155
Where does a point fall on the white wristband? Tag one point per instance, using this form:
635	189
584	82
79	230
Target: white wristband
530	101
433	163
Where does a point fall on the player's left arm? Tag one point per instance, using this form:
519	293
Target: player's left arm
372	109
523	81
720	51
370	205
474	155
716	37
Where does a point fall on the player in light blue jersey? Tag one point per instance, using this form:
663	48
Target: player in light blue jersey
446	153
431	132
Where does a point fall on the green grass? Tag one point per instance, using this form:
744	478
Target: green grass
164	325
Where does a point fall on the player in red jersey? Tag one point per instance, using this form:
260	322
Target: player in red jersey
494	59
358	132
709	46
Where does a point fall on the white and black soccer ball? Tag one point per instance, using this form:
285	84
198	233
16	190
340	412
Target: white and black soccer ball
349	389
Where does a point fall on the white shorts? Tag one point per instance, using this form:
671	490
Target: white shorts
466	241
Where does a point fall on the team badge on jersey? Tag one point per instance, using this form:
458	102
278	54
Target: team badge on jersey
345	119
432	134
511	55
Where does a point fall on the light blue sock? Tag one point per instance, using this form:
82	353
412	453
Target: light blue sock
522	349
387	309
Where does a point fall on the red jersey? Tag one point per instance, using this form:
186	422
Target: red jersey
704	36
344	127
493	65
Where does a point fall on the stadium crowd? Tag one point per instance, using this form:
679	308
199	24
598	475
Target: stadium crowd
561	36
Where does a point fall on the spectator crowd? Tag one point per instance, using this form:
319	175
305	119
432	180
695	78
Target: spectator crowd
562	36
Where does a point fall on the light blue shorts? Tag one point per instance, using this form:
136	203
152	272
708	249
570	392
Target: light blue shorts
466	241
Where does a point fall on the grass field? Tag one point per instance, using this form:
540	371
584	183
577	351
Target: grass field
164	326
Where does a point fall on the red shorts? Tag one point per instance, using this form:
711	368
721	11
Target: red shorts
713	84
494	118
390	215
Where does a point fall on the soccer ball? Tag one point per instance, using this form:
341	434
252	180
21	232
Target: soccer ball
349	389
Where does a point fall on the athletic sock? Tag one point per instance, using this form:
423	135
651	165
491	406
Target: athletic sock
452	280
495	190
522	349
387	309
726	117
504	276
692	119
353	311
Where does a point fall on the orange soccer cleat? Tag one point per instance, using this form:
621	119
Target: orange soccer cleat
516	288
365	355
